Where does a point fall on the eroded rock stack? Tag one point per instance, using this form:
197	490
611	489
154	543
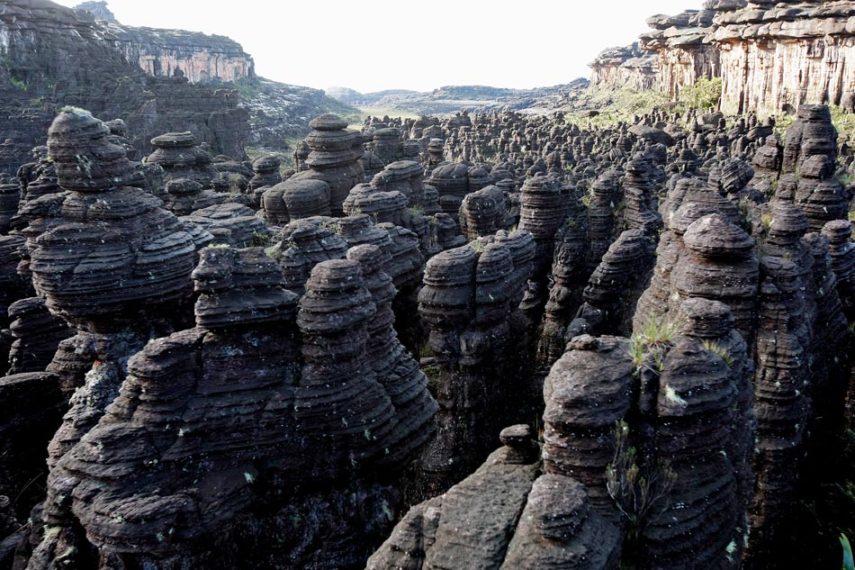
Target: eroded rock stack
469	296
244	354
504	516
810	151
111	256
483	212
181	157
333	158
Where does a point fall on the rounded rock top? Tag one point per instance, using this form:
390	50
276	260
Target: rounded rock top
328	122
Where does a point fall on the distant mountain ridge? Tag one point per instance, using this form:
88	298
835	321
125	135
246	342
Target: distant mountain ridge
454	98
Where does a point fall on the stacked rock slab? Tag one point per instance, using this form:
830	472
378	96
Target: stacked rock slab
483	212
10	195
229	223
467	302
842	252
640	193
587	393
184	196
504	516
810	150
257	365
612	292
115	265
333	158
711	258
544	205
452	182
604	199
405	176
266	171
181	157
304	244
295	199
37	334
567	277
690	402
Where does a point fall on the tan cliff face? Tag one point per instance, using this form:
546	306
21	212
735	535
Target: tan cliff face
199	67
625	68
200	57
780	58
163	53
770	56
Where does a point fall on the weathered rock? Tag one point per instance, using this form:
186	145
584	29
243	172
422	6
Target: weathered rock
333	158
180	157
37	334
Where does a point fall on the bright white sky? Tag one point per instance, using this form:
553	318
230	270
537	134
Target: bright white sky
370	45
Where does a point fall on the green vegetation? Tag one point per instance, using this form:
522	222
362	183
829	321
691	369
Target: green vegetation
720	351
637	491
286	157
782	123
704	94
648	347
844	122
615	105
19	84
621	105
260	239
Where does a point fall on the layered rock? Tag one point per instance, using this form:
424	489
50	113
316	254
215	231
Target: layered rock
36	335
683	55
613	289
57	56
230	223
181	157
483	212
810	151
504	516
257	365
295	199
334	158
468	300
587	393
567	278
713	259
112	256
794	54
625	67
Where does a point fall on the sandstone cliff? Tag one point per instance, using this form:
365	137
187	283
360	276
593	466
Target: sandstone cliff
770	56
52	56
159	52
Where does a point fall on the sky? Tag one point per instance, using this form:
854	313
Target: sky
371	45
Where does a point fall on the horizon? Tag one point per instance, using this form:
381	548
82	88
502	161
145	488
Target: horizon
421	63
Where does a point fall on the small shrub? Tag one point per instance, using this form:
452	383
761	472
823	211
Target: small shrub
720	351
651	344
18	84
705	94
636	491
260	239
